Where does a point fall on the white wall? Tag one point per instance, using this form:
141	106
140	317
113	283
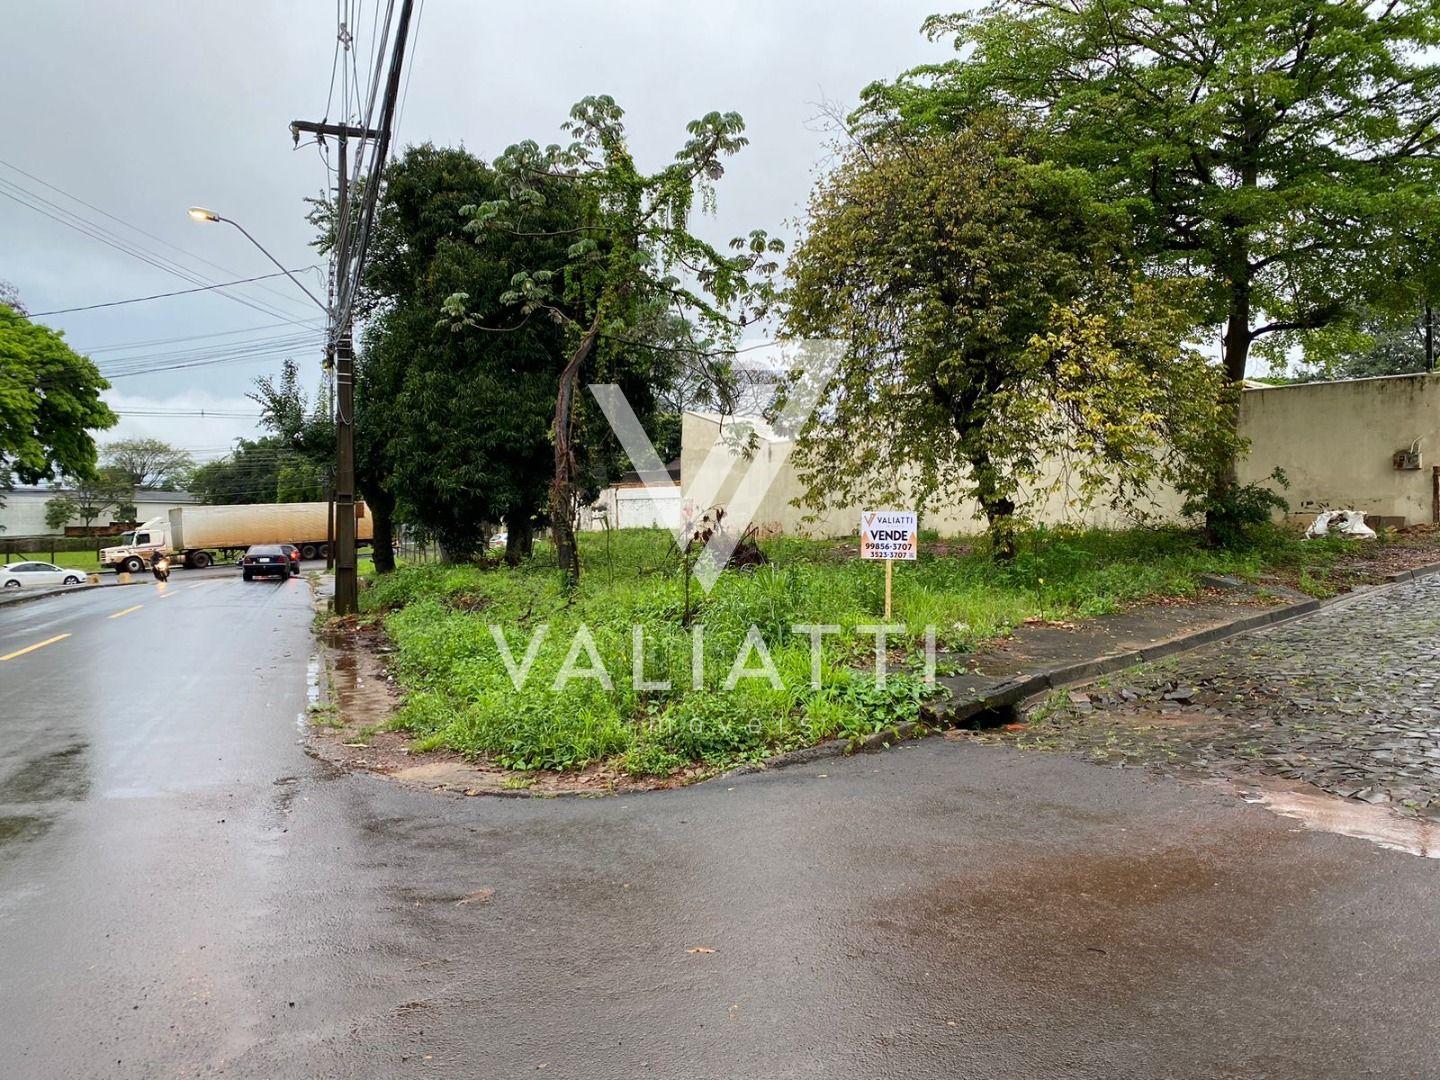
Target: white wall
635	508
1333	440
24	511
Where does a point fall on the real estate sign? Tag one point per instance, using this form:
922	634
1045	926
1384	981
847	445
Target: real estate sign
889	534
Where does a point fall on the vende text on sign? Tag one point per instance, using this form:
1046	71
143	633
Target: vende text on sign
889	534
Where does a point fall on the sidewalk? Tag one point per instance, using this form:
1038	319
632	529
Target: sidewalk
1343	702
1042	657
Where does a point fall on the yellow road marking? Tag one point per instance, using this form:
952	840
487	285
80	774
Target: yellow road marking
32	648
127	611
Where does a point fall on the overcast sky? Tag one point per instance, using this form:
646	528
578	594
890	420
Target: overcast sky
144	109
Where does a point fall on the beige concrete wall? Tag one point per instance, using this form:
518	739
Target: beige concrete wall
777	513
1334	441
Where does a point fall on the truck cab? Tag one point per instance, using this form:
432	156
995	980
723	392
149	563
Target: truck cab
137	548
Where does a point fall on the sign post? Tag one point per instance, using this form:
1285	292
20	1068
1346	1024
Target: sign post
889	535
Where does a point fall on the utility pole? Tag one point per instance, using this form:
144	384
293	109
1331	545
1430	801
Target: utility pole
341	355
347	585
330	479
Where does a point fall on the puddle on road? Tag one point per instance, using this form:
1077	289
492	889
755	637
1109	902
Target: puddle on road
358	686
313	670
1323	812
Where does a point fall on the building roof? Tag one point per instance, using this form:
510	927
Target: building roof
142	495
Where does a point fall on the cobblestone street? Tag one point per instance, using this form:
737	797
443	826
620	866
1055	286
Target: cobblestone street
1344	699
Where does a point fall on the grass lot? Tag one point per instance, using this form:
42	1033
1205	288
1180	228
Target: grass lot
80	560
460	695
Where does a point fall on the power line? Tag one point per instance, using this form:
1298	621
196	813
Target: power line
91	350
135	228
212	414
166	295
193	352
405	94
251	355
334	62
378	157
99	233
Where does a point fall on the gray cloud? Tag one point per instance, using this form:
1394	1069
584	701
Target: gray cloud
145	109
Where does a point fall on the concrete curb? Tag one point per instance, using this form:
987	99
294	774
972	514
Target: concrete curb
1411	575
1007	694
881	740
28	597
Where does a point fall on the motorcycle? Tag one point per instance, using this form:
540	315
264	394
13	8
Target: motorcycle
161	569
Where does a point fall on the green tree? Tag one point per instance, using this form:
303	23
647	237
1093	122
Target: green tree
59	509
249	474
629	257
452	429
1282	151
379	373
49	404
88	498
293	463
303	429
1375	343
148	463
989	322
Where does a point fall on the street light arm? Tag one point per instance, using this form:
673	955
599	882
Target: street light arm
245	232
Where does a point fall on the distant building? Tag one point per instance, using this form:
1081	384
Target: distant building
629	504
24	511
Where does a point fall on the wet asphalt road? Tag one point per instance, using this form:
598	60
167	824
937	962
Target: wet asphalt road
184	893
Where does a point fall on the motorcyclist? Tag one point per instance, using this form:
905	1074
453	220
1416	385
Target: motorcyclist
160	567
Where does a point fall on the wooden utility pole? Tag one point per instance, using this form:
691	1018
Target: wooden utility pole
347	585
342	360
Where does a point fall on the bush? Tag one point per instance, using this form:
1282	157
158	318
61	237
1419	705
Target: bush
1236	515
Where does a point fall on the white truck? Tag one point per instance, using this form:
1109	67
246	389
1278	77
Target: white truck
195	535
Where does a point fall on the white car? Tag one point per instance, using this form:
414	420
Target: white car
19	574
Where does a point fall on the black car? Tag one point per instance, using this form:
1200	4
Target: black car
294	553
262	560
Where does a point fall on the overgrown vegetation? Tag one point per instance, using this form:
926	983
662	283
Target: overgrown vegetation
1280	153
460	694
997	340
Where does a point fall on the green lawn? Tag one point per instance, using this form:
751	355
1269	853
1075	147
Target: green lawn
80	560
460	694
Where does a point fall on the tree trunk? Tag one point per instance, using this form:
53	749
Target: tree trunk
999	509
1237	339
1000	514
519	536
382	547
562	488
1236	348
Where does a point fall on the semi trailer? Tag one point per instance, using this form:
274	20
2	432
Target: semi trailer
196	536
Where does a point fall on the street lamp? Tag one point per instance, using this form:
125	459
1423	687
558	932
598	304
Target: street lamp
199	213
343	492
